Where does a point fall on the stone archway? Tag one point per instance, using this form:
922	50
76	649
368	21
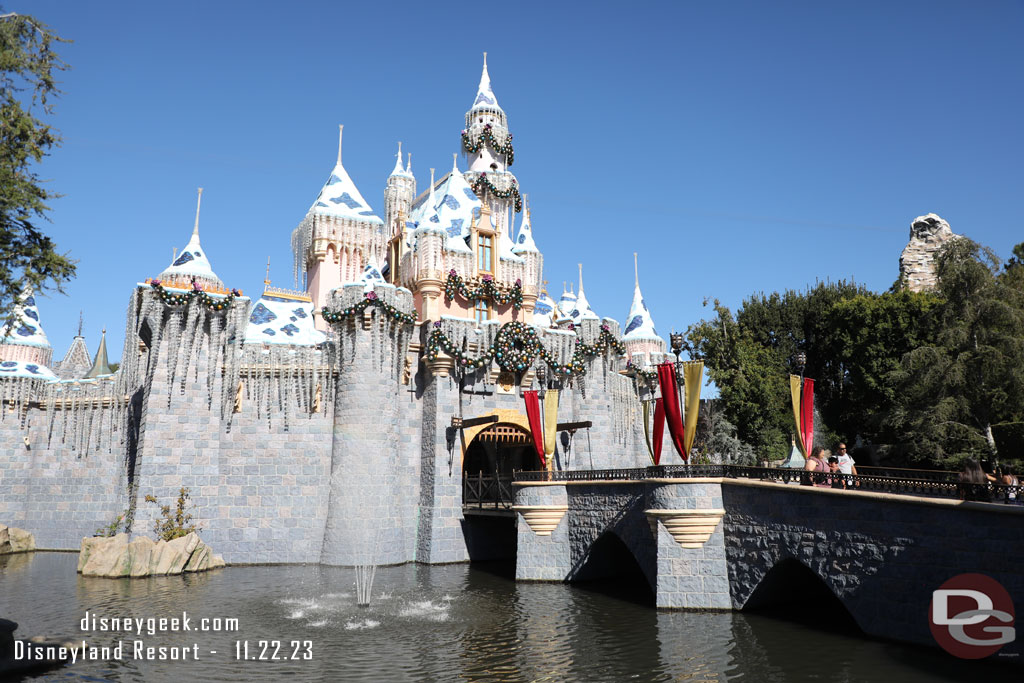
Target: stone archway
500	449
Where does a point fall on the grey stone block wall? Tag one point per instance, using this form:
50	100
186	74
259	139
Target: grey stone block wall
690	577
881	557
542	558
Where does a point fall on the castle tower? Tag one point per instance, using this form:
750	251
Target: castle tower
192	264
582	310
24	349
339	235
639	336
398	195
526	249
487	143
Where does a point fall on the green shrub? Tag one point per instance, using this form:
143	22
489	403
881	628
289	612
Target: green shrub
173	523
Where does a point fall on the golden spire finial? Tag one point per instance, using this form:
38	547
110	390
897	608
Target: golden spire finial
266	280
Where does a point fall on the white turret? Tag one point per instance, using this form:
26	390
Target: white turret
24	349
582	310
338	237
639	336
192	263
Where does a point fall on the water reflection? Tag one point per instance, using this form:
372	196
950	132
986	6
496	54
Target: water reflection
436	624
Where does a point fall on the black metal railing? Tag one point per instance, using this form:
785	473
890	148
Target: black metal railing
487	491
905	485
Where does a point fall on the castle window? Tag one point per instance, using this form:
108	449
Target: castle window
484	259
482	311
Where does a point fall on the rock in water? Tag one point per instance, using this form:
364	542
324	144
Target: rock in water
116	557
13	540
928	234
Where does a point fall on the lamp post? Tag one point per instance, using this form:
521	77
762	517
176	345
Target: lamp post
542	377
676	340
800	359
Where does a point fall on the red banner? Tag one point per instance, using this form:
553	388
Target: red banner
670	396
659	429
807	415
536	424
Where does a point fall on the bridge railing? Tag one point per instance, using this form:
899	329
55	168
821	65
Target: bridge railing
487	491
944	487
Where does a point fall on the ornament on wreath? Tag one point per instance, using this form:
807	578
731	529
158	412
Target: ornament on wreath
487	138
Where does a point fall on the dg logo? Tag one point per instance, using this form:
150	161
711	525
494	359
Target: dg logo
971	616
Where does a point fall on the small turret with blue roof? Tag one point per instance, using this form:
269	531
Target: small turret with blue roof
25	352
192	263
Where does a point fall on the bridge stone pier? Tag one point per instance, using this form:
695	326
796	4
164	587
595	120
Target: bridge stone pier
726	543
593	520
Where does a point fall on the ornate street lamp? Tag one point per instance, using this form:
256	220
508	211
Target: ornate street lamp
542	376
800	360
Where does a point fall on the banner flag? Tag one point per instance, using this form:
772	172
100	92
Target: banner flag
647	427
659	429
794	392
550	423
670	400
807	408
536	428
693	374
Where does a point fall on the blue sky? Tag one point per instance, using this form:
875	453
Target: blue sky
738	147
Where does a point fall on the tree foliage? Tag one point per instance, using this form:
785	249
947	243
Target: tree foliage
934	374
28	66
970	375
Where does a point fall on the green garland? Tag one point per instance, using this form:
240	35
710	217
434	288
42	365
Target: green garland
370	300
483	182
516	346
487	137
207	301
488	290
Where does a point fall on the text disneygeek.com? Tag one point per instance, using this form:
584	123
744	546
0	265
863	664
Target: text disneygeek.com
137	649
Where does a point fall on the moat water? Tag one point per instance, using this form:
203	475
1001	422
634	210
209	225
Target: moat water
441	623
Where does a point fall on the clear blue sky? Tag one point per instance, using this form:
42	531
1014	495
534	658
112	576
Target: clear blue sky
738	147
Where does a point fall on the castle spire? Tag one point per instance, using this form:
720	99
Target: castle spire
398	162
583	311
100	365
199	201
408	166
341	129
639	323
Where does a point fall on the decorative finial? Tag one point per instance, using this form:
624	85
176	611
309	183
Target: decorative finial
431	181
485	60
266	280
174	254
544	287
104	331
341	127
455	163
199	200
408	166
581	277
636	272
80	323
399	151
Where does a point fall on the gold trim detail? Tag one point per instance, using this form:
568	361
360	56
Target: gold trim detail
689	528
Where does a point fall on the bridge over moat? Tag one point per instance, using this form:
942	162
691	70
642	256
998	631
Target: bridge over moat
739	540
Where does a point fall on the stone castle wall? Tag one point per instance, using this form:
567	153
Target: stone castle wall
374	474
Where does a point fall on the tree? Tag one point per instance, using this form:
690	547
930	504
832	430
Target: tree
971	375
28	65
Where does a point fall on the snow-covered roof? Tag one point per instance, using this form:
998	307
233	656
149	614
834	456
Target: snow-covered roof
371	276
191	262
279	318
23	328
11	369
485	97
524	241
457	206
639	323
544	310
566	303
341	199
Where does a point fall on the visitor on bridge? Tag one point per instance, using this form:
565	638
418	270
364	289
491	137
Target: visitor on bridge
816	468
837	480
846	463
974	483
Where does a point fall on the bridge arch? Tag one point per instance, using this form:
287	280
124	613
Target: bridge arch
611	557
794	591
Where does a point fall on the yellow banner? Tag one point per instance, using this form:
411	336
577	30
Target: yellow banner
693	375
647	427
550	422
794	390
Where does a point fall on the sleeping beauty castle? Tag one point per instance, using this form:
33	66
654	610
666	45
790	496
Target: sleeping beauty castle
336	423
